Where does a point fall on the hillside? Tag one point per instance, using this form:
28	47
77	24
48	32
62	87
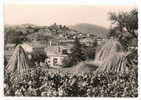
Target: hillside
90	28
25	32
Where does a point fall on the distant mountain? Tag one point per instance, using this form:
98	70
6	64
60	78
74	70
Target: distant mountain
90	28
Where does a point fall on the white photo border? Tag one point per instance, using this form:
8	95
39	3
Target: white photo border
75	2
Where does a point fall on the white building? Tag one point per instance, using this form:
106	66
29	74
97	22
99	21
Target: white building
56	55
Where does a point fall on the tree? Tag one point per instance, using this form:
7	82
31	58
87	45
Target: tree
125	26
18	34
13	36
38	56
5	61
126	21
89	51
75	56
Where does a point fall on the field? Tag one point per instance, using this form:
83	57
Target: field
52	82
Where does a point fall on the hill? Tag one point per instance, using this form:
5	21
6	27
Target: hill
90	28
25	32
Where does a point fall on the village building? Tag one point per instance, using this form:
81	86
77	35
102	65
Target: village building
87	41
100	40
53	42
54	51
56	55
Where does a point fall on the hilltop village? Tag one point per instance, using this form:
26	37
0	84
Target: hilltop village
55	41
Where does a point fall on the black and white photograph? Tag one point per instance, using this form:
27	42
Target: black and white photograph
66	50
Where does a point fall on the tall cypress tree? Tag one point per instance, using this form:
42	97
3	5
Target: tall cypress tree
76	55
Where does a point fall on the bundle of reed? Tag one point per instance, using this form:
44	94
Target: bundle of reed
116	62
18	63
109	48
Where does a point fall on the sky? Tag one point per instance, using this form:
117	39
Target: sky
67	14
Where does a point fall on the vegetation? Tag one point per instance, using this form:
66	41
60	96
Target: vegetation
126	31
76	55
38	56
40	82
125	27
90	51
80	52
17	34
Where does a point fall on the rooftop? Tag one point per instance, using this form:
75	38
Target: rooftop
56	50
10	45
35	44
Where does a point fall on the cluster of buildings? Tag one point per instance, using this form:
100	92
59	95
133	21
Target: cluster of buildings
55	49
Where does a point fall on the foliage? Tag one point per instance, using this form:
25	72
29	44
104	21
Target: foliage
5	61
76	54
67	62
80	52
40	82
38	56
13	37
90	51
125	25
